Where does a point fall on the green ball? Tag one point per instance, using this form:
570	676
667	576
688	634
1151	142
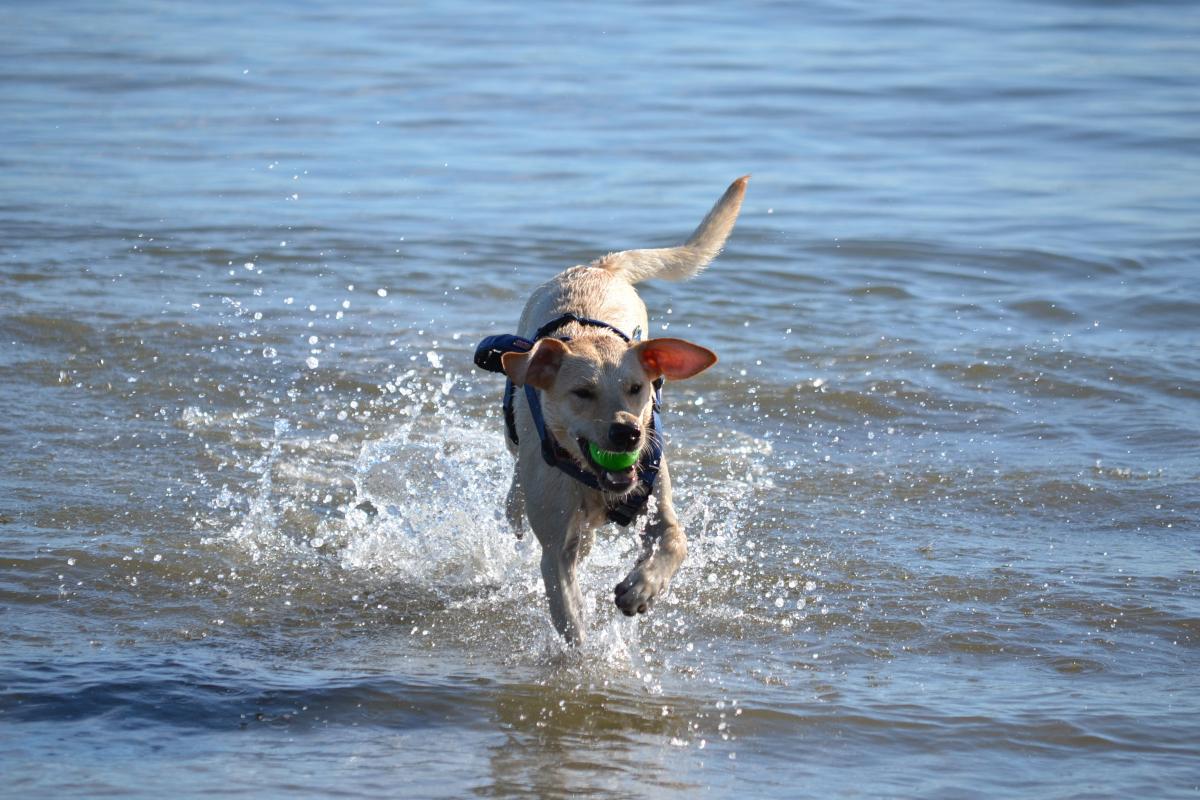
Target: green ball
610	460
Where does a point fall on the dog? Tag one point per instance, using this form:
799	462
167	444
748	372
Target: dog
590	395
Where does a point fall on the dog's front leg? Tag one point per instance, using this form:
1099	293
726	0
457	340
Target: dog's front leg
664	547
562	587
557	521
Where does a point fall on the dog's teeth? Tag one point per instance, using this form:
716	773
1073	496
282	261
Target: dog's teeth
618	479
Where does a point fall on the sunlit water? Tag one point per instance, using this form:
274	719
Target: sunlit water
942	490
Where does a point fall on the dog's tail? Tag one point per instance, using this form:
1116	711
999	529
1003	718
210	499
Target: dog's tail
686	260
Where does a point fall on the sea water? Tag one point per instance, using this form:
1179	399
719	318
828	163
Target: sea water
941	491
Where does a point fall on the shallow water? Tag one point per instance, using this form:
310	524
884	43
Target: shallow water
942	489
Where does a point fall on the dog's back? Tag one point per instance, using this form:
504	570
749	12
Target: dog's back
604	289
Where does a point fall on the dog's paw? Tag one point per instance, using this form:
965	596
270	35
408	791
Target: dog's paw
636	593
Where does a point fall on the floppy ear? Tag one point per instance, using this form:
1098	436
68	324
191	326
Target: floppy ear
675	358
538	367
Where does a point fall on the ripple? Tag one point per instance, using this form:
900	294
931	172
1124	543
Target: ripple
885	291
1044	310
1074	665
196	701
1000	263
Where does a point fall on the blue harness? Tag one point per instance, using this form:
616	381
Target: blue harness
488	356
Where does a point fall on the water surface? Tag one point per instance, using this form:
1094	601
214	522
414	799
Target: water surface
941	490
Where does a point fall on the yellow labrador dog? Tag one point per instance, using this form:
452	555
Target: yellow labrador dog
581	409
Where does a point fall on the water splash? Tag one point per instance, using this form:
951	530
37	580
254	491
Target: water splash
408	510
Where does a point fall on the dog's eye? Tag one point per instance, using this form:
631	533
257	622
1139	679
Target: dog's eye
635	388
584	393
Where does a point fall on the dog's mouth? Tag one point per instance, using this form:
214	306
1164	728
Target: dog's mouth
613	477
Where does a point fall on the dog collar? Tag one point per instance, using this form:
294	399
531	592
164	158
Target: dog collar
488	356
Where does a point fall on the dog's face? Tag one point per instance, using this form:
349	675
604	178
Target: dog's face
597	390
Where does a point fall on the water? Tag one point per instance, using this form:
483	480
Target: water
942	489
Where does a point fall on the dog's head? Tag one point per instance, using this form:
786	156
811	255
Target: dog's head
596	390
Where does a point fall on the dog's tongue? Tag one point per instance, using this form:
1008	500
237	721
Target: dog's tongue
620	480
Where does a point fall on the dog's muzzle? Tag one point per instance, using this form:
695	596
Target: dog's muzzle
611	478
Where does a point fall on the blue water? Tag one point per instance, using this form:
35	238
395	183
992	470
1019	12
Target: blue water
941	491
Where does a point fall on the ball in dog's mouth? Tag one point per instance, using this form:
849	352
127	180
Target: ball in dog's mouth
616	470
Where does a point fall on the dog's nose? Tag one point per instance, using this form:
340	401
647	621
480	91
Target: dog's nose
624	437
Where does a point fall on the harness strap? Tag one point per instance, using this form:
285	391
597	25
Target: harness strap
488	356
556	323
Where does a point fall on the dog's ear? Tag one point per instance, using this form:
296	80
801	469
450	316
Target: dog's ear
675	358
538	367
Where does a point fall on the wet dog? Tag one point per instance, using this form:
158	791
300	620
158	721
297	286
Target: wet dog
595	395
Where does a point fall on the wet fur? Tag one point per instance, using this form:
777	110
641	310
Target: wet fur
562	512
